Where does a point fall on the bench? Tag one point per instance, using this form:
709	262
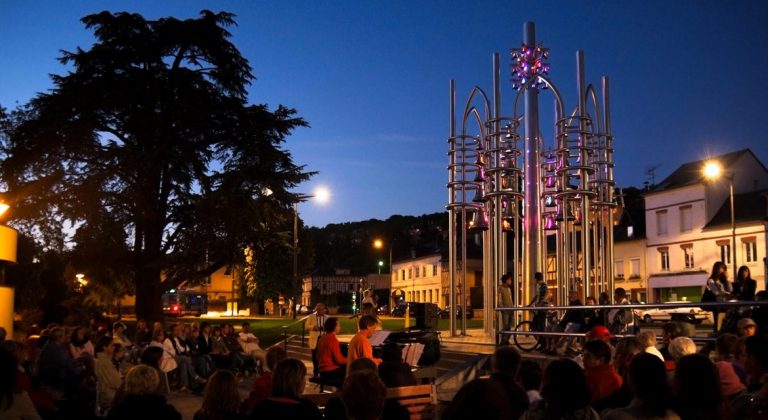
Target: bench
419	400
323	383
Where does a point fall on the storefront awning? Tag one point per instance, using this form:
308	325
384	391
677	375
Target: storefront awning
678	280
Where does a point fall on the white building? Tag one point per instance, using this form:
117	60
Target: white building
688	225
425	279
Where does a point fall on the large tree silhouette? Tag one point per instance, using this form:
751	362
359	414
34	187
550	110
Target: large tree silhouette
150	136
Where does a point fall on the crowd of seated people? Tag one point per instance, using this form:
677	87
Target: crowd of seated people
82	372
627	379
53	375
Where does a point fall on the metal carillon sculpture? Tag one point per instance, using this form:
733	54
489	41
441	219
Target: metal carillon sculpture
516	191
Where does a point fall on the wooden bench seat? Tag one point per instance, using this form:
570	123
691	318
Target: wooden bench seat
419	400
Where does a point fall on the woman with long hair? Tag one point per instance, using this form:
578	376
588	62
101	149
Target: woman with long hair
288	381
743	286
221	399
564	394
652	395
696	389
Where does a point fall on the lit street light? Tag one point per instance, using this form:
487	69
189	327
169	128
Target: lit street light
322	195
713	171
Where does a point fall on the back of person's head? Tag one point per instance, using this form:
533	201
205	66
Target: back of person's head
761	295
565	387
102	344
506	360
672	330
289	378
221	395
599	349
367	321
724	345
625	350
648	382
480	399
647	338
55	334
620	293
696	385
363	395
362	364
141	380
151	356
330	324
8	372
756	352
529	375
681	346
391	352
274	356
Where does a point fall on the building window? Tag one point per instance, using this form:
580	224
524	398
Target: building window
402	277
424	271
750	250
725	251
664	258
434	269
688	255
634	268
417	272
351	286
410	273
619	268
686	219
661	222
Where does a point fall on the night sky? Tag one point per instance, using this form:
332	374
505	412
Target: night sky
689	79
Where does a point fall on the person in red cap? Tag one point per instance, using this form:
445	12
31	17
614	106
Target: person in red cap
602	378
599	333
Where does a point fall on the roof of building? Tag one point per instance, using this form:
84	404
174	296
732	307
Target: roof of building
690	173
750	207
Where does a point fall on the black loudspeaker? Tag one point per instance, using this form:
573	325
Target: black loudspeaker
426	316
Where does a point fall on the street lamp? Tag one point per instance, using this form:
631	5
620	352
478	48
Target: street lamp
321	195
8	240
713	171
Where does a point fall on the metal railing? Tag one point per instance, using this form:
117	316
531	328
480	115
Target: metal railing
286	327
713	306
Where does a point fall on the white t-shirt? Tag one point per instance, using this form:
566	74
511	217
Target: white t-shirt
248	347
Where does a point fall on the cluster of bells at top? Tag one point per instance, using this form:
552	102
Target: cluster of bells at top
527	64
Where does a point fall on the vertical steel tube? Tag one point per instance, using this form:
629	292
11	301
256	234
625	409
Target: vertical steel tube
733	230
584	180
532	217
452	211
498	254
609	159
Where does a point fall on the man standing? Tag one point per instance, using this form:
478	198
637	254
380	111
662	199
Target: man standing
505	301
314	324
360	347
619	320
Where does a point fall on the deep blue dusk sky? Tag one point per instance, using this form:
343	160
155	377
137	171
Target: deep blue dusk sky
688	79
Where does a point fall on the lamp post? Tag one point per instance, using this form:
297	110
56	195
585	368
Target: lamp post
713	171
8	240
322	195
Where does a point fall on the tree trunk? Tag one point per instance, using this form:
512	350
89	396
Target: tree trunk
149	302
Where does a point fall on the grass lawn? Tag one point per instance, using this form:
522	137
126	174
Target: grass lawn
270	330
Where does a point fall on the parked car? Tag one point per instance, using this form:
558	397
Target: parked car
302	309
692	315
383	310
399	310
443	313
